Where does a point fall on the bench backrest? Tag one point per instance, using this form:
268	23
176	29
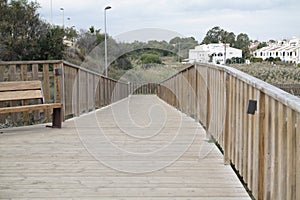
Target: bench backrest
21	90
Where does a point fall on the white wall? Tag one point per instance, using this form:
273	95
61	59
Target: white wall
283	51
202	53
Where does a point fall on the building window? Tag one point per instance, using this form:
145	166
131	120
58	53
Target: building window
276	53
261	54
220	54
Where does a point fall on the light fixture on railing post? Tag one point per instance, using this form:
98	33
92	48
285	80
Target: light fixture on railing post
105	40
252	107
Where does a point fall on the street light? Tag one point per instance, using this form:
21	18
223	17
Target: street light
105	40
63	20
51	13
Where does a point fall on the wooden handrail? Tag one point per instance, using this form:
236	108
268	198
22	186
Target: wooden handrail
264	147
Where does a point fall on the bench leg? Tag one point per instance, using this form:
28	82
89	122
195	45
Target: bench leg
56	118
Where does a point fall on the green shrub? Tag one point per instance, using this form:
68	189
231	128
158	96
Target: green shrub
271	59
148	58
277	59
255	60
228	61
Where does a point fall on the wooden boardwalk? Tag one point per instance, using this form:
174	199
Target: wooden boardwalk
139	148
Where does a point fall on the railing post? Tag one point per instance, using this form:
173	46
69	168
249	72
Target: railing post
2	117
226	131
261	145
298	157
78	101
282	151
59	85
291	154
208	111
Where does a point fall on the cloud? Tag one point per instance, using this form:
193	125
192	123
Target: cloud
234	5
259	18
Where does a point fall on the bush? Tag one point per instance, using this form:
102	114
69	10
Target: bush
150	58
277	59
228	61
298	65
271	59
123	63
255	60
237	60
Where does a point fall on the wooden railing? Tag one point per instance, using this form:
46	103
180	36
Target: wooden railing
143	88
78	89
264	147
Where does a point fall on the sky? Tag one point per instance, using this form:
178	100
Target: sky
130	20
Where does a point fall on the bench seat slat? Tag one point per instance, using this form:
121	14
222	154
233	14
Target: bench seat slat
21	95
20	85
29	108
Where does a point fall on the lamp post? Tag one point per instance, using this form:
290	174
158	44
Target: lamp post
63	16
51	14
105	40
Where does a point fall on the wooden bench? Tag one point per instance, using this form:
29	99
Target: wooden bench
24	91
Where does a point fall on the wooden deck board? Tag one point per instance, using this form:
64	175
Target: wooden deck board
36	162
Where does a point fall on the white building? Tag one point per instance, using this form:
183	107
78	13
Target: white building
214	53
286	51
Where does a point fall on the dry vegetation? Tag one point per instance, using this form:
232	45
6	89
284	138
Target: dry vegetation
156	73
279	73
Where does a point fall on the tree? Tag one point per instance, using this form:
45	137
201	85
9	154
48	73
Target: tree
181	46
88	40
228	38
51	45
261	45
216	35
122	63
243	43
149	59
71	34
20	30
213	35
23	34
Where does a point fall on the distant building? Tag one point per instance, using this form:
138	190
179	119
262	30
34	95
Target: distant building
214	53
287	51
68	43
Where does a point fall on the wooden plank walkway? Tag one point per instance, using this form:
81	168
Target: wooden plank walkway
139	148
